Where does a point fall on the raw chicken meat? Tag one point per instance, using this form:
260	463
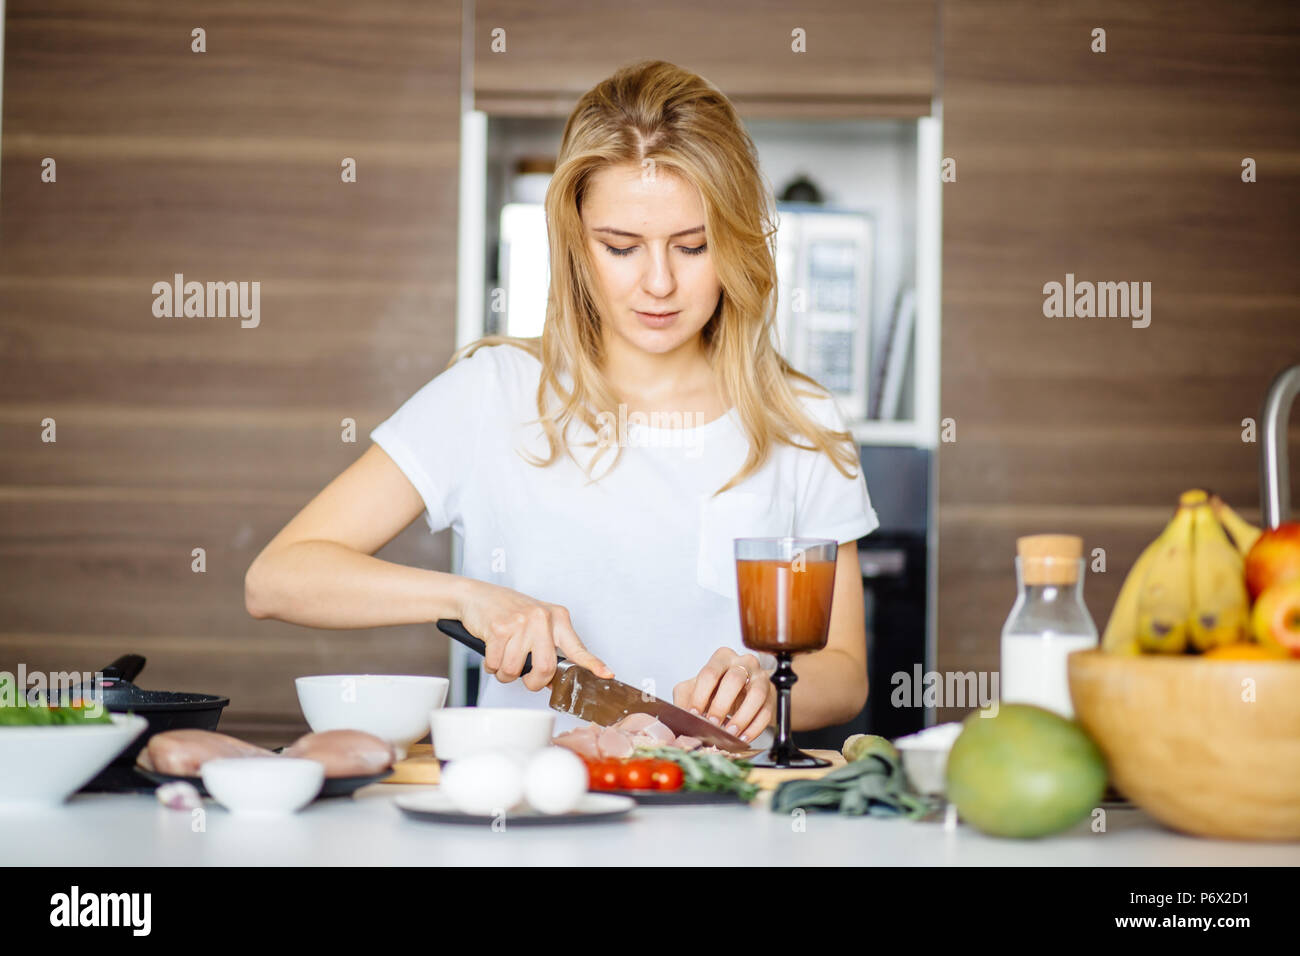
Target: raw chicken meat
646	731
582	741
182	752
635	723
344	753
615	743
634	731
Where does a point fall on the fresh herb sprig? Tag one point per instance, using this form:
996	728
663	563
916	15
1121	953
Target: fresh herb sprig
708	772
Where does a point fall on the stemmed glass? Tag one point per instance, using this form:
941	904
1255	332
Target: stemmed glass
785	588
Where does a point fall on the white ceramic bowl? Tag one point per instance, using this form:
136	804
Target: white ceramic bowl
925	757
263	785
392	707
462	731
43	766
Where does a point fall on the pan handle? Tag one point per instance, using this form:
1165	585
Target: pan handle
456	631
126	668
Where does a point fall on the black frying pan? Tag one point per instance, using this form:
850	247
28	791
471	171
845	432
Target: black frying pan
164	709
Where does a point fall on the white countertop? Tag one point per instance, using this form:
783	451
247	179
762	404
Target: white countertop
369	830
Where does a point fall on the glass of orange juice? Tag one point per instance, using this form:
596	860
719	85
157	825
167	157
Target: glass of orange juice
785	587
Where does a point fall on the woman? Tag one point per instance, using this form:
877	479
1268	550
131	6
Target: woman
598	475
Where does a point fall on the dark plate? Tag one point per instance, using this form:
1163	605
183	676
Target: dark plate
332	787
678	798
432	806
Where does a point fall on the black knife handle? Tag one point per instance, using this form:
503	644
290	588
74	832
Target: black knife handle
456	631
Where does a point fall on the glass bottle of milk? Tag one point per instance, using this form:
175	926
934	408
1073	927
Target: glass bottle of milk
1048	622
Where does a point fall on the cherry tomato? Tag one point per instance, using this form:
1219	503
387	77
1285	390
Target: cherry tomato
636	775
604	775
666	775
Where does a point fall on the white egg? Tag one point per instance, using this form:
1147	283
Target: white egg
555	781
485	784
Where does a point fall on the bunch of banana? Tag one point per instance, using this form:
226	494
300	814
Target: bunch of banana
1187	590
1220	602
1244	534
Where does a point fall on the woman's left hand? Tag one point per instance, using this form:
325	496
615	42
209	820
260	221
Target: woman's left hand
733	691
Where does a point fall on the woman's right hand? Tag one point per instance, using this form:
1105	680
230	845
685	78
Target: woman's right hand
514	625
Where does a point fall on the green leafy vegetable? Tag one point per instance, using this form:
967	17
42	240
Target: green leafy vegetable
872	786
707	772
18	711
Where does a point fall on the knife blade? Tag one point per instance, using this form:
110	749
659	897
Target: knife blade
577	691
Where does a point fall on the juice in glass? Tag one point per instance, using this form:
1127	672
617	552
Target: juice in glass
785	605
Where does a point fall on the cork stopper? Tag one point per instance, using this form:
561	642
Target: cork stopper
1049	558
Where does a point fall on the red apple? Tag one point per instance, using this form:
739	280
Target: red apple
1276	618
1274	558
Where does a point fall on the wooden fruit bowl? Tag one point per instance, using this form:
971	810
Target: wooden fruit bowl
1186	743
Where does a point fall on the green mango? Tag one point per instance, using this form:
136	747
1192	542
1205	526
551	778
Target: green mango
1025	772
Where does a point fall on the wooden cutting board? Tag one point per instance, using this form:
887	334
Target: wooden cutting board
769	778
421	767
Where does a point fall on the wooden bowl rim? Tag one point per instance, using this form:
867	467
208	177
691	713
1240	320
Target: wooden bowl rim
1096	657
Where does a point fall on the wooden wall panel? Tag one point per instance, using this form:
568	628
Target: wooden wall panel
234	211
181	433
873	58
1123	165
326	347
118	562
311	72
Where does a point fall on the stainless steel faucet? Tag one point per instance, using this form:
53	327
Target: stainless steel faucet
1274	467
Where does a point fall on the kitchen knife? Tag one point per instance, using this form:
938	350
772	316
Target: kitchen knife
577	691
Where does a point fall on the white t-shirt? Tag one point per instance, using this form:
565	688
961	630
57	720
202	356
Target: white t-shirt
642	558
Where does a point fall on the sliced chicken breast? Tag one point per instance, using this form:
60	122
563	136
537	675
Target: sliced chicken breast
614	743
582	741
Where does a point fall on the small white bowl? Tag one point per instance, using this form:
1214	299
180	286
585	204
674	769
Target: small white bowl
462	731
263	785
393	707
43	766
925	757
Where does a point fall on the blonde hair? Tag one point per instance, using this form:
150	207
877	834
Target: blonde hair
653	112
